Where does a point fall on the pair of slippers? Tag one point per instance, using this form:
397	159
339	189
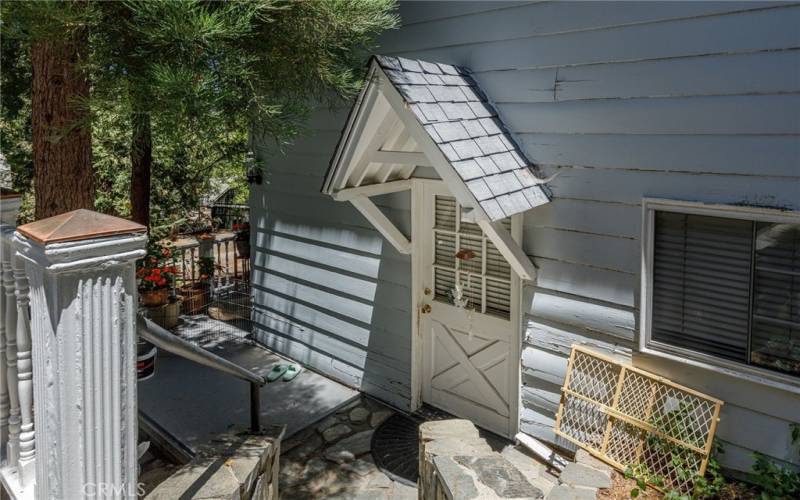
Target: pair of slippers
283	371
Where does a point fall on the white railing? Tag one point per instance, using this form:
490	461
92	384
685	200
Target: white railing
226	258
68	351
17	432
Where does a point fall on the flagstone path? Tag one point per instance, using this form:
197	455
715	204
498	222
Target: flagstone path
332	459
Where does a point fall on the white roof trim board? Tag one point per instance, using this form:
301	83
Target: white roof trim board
411	111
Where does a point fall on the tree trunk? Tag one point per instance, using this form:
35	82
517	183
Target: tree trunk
62	140
141	165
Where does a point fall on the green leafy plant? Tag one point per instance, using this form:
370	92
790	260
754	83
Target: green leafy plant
677	423
712	483
643	476
776	481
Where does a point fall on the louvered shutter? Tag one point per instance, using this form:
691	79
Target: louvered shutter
701	283
485	278
776	303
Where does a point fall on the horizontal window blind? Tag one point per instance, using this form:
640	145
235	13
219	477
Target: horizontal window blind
776	304
701	283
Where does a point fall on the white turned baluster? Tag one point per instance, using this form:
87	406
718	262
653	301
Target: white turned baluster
10	323
27	441
3	385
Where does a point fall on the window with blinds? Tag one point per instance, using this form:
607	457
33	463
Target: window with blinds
728	288
481	271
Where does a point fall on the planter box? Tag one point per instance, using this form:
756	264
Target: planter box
195	299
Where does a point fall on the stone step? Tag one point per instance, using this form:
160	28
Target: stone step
576	474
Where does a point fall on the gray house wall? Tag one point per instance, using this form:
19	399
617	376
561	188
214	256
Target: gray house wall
692	101
329	291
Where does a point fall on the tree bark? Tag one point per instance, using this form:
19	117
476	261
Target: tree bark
62	140
141	166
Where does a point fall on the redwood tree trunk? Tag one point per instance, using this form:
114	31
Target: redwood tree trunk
62	140
141	165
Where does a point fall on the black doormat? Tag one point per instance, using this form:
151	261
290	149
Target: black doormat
395	444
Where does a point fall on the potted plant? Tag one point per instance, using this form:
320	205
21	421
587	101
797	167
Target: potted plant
155	277
242	239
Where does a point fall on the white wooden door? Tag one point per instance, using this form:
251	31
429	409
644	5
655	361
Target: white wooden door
470	352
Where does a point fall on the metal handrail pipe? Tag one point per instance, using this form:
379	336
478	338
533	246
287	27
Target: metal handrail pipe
163	339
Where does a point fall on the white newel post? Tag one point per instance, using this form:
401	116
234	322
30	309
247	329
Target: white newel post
81	273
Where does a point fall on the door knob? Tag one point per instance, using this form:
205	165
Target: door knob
425	309
427	291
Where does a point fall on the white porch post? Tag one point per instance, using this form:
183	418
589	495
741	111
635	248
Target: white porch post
80	269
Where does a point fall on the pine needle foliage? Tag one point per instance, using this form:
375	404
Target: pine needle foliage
206	75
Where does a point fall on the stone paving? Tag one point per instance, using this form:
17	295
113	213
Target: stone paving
332	460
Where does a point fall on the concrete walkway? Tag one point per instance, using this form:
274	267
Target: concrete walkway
195	403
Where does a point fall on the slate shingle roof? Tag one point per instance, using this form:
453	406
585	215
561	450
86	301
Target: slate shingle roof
458	117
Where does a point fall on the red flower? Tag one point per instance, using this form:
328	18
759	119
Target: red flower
162	282
157	271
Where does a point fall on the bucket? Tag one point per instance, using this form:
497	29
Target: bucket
166	316
145	360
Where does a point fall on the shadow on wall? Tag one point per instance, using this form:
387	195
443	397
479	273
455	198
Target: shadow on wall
329	293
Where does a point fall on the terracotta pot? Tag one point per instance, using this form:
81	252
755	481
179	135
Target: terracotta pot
195	298
154	297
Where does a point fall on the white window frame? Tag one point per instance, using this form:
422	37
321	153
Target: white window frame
647	345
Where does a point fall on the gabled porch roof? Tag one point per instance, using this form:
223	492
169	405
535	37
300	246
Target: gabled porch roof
417	119
414	115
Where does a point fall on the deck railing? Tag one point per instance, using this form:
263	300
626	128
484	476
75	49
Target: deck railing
228	261
17	432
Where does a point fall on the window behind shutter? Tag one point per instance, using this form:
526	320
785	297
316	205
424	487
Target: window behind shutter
701	283
776	304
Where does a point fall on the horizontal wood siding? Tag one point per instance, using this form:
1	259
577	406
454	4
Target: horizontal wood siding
685	100
329	291
693	100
